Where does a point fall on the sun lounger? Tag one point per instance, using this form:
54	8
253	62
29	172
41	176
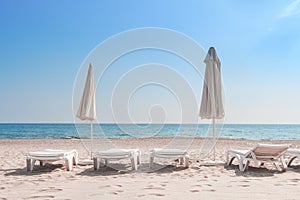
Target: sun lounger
291	155
116	154
49	155
182	155
260	154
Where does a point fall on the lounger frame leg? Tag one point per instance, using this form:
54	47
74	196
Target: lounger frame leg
229	162
30	164
181	161
291	160
283	162
151	160
139	158
227	159
69	163
134	162
96	163
186	161
75	159
244	166
277	166
240	160
105	162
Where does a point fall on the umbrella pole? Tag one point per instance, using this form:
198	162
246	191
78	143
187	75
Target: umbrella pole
214	135
91	130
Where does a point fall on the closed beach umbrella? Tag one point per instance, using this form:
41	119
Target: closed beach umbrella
87	106
212	102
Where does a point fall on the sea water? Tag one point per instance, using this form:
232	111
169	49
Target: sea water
237	131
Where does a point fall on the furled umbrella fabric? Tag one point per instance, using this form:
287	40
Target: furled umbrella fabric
87	106
212	102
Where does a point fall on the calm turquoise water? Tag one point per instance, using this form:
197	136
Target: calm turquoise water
255	132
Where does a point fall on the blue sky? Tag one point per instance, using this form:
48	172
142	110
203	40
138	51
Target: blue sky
43	44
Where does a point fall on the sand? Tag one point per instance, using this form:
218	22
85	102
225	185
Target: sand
52	181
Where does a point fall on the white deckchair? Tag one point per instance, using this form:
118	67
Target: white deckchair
182	155
292	154
116	154
49	155
273	153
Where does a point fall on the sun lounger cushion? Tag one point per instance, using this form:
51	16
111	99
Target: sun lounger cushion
116	154
181	154
273	153
69	156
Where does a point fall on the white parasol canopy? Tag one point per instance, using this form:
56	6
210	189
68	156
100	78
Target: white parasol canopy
87	106
212	102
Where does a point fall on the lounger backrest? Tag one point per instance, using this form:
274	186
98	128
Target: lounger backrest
269	150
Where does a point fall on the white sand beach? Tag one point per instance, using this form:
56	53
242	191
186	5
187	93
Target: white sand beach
170	182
